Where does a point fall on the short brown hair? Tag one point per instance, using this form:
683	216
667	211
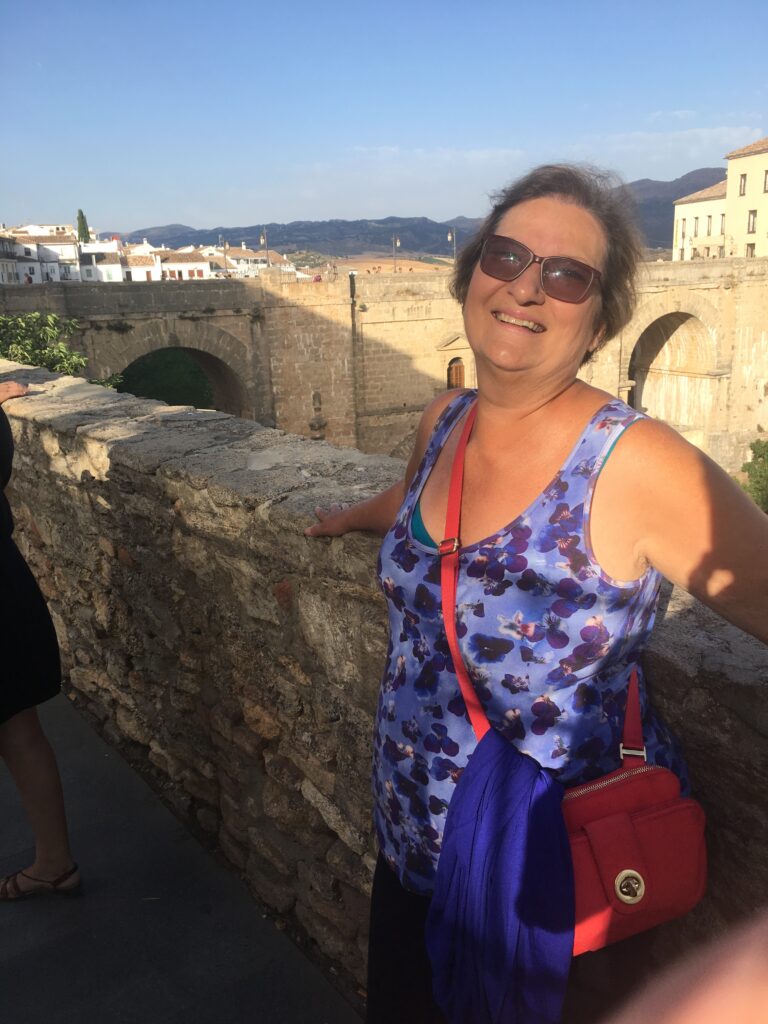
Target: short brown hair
609	201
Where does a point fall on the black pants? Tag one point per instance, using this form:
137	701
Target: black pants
399	972
400	975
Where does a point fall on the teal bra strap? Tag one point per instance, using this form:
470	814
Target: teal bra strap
418	529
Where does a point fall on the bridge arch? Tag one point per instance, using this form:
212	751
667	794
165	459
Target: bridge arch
221	356
673	367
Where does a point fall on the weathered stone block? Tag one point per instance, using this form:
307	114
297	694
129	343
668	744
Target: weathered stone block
333	817
350	867
268	884
132	726
259	720
201	789
233	850
277	849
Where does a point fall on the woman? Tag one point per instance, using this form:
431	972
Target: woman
573	507
30	675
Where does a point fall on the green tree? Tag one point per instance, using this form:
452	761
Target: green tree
757	474
83	234
40	339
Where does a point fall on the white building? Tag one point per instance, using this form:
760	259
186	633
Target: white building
142	267
9	269
184	266
730	218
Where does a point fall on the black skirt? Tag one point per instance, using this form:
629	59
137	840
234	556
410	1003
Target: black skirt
30	671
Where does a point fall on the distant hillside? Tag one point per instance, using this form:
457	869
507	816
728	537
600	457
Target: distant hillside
655	201
339	237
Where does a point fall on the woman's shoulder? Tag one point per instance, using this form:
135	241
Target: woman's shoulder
455	397
439	409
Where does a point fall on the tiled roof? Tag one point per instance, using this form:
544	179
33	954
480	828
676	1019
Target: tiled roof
139	261
47	239
713	192
761	146
169	256
236	252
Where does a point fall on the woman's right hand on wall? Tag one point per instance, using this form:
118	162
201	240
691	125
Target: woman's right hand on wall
332	522
12	389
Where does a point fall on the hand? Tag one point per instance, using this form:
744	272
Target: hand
333	522
12	389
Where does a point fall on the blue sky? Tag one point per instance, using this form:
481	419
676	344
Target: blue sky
182	111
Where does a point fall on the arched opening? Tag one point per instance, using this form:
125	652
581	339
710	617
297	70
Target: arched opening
672	367
455	373
185	376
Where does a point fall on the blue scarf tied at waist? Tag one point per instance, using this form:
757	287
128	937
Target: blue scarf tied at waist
500	926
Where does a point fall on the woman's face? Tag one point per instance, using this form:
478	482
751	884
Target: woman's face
513	326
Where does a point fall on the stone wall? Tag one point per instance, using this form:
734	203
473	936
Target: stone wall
238	661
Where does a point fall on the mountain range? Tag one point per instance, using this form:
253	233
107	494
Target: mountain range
655	209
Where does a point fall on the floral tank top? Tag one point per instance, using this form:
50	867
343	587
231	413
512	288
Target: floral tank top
549	641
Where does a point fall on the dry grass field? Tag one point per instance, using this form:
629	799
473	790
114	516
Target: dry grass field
377	263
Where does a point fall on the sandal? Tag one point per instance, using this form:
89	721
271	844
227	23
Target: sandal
10	890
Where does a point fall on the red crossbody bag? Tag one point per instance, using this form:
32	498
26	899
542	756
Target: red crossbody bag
639	856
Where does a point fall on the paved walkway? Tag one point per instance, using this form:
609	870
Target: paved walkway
164	934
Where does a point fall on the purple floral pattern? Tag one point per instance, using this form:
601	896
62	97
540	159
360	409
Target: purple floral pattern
548	639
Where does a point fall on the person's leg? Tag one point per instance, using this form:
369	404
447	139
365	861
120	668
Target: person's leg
32	764
399	972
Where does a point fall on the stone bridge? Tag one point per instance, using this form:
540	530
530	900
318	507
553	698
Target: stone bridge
356	359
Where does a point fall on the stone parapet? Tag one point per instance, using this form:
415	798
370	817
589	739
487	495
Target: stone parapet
238	661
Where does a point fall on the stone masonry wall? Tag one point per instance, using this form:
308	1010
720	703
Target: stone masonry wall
238	661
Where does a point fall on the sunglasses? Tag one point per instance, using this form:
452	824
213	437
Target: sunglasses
561	277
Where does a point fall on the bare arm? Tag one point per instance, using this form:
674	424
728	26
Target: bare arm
377	514
694	524
12	389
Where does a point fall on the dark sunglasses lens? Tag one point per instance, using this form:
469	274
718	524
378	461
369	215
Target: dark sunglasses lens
566	279
504	258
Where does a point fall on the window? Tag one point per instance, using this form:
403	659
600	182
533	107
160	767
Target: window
721	251
706	250
682	254
456	373
695	227
722	223
743	185
765	182
750	249
682	233
709	225
752	222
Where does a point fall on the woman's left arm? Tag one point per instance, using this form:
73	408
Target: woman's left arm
698	527
12	389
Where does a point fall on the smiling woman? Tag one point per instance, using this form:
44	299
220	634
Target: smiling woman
567	523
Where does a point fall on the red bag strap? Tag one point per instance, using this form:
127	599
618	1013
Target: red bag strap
448	549
449	574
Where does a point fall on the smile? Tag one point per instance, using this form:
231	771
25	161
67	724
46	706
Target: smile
531	325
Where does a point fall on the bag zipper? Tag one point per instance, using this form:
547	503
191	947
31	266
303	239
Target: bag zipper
577	791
